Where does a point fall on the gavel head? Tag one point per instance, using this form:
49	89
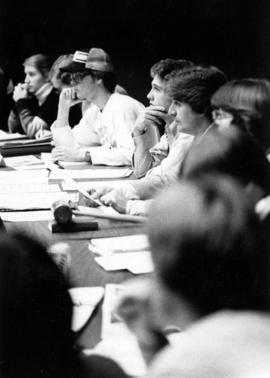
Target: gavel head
62	212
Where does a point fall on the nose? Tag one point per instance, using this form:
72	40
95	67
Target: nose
172	111
26	80
150	95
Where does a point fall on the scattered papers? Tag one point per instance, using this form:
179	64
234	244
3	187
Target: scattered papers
124	252
84	300
109	246
30	201
91	174
27	216
135	262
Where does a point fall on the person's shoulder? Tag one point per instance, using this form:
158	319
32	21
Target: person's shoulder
91	109
125	100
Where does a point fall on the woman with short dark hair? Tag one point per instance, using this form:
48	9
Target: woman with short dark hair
246	103
229	151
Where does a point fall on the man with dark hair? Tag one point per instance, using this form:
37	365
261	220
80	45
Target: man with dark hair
191	93
195	86
206	258
155	119
206	261
103	135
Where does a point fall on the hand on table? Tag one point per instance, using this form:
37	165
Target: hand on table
43	134
62	153
119	197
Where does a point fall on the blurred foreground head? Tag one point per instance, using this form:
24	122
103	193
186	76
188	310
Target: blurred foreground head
35	312
208	246
233	152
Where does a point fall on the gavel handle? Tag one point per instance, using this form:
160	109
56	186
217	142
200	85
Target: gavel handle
117	217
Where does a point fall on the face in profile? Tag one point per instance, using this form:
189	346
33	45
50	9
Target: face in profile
157	95
33	79
185	119
85	86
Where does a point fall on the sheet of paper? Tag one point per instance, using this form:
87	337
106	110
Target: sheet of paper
30	201
84	300
29	187
135	262
93	174
108	246
24	162
22	177
118	342
73	164
27	216
4	136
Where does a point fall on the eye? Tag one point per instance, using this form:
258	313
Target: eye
155	88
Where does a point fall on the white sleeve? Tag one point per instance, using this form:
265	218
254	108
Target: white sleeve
142	158
82	135
123	118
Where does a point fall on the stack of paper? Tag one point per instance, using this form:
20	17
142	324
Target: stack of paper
109	246
136	263
35	194
124	252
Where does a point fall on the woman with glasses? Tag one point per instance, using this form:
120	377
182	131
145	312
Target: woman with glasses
36	100
246	103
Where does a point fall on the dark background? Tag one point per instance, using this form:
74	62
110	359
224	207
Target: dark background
231	34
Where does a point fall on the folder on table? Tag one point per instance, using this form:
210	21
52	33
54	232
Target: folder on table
25	147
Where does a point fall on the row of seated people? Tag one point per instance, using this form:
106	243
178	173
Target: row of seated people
204	312
115	129
208	230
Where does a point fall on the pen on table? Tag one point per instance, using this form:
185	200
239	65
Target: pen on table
88	196
118	217
84	192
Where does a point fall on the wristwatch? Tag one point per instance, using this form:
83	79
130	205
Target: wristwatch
87	157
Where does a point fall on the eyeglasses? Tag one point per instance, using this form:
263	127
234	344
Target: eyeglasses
77	77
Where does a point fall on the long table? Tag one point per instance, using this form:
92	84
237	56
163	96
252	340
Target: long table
84	271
